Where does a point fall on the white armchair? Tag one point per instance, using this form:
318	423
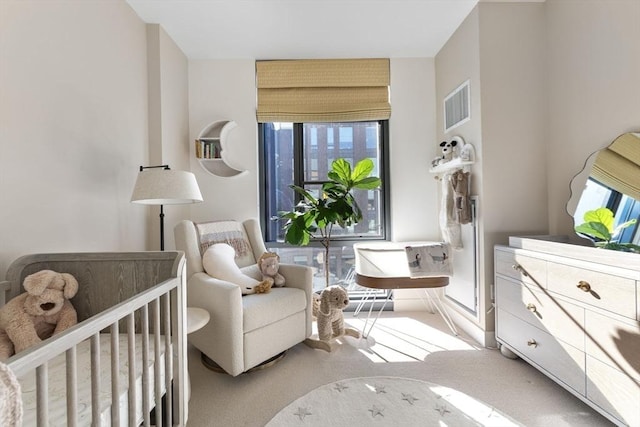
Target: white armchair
244	331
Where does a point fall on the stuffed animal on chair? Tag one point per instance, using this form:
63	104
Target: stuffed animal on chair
42	311
218	262
327	309
269	264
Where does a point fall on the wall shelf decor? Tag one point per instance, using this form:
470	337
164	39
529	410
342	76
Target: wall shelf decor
210	149
463	156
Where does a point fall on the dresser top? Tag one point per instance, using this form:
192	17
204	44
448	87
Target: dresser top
559	246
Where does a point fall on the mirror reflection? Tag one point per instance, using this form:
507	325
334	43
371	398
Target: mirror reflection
611	179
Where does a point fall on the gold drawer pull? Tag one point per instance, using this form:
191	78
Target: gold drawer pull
520	269
584	286
532	307
532	343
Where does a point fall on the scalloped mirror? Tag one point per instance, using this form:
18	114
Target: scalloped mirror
611	179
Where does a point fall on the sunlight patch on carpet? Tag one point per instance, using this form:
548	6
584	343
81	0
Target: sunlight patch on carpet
405	339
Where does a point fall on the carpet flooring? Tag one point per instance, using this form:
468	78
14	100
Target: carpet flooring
414	345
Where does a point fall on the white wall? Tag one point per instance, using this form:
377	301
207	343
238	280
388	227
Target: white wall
594	88
412	136
557	81
225	89
499	48
73	127
168	124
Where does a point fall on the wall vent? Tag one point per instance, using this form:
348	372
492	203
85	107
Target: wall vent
457	107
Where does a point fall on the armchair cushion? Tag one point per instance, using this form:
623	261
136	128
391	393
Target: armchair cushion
265	309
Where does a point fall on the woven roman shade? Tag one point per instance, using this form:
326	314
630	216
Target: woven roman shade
323	90
618	166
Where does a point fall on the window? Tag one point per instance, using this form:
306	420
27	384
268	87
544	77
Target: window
301	154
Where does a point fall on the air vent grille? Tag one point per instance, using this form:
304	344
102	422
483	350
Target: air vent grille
457	107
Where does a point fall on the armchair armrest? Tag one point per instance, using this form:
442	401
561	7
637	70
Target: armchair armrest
223	301
301	277
297	276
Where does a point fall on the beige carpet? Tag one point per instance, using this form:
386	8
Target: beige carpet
415	345
388	401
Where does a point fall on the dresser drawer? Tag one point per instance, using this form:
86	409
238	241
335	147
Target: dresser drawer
613	342
523	268
557	317
612	293
559	359
613	391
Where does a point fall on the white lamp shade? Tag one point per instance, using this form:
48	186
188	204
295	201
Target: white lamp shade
166	187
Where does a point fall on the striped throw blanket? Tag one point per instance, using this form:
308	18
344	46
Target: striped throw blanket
229	232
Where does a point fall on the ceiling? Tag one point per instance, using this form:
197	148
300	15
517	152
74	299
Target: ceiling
286	29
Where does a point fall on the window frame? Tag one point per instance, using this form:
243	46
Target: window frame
384	174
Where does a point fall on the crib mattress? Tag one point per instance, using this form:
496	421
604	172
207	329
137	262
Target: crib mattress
57	383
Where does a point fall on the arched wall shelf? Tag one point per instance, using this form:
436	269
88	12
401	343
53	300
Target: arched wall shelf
210	149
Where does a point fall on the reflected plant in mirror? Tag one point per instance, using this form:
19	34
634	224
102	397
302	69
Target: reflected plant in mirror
600	227
610	180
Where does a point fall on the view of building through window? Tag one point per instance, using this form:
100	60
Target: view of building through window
302	154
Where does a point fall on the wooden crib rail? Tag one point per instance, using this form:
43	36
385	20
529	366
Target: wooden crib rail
156	311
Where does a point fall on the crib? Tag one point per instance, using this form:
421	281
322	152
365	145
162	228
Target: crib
125	362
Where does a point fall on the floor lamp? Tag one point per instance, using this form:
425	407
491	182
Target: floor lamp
159	185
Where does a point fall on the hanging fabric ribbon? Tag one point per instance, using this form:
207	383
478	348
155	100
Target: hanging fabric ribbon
449	225
460	184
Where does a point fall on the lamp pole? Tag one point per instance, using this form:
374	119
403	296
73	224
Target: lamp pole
165	167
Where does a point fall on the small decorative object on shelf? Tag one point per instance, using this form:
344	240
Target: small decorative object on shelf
456	154
210	146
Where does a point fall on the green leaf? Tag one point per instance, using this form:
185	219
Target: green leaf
340	171
594	229
362	169
601	215
369	183
622	226
624	247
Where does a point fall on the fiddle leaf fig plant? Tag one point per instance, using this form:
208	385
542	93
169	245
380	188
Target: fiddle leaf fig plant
599	226
313	218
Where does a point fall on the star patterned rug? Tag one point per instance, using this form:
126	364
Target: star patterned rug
388	401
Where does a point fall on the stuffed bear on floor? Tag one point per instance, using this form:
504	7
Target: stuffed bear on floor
42	311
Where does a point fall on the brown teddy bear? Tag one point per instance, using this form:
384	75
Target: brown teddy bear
42	311
269	264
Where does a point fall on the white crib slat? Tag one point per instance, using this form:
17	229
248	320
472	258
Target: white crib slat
42	394
168	356
95	379
156	366
146	407
115	375
72	387
133	392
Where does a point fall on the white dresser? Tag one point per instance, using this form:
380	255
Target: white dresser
573	312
